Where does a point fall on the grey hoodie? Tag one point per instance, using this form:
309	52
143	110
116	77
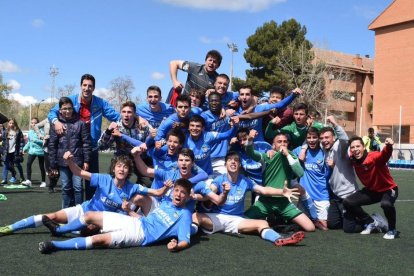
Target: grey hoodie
342	181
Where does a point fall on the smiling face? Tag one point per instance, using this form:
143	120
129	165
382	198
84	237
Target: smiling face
180	196
327	139
221	85
121	171
214	103
195	129
173	145
312	139
245	97
66	110
233	163
33	122
357	149
87	88
127	116
153	99
275	97
185	164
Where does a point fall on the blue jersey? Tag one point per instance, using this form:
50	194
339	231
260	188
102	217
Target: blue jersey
201	188
167	221
155	118
234	204
202	147
167	124
316	174
163	160
253	169
256	124
214	123
226	98
108	197
160	176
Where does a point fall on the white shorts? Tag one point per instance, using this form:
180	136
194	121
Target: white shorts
154	204
322	208
73	213
224	223
125	231
219	166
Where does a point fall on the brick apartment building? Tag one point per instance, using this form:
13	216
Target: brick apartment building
394	70
349	88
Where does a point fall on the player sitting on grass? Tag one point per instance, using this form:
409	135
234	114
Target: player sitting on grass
229	217
111	190
170	219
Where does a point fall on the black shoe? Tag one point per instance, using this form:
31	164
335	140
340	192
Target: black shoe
46	247
51	190
51	225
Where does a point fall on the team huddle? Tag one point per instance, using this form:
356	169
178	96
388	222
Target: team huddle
196	159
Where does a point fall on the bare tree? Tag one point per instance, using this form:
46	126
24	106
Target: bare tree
66	90
121	90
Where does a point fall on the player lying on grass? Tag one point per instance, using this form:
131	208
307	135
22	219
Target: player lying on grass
170	219
229	218
111	190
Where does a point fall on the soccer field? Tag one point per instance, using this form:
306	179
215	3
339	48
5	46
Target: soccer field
321	253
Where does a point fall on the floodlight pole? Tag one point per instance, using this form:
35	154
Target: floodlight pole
53	72
234	49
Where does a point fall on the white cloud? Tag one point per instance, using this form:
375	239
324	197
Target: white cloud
23	100
15	85
38	23
228	5
157	76
7	66
103	93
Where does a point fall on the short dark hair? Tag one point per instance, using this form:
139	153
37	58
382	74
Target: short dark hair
88	77
355	138
198	119
184	98
326	129
187	152
65	100
155	88
124	159
244	130
278	89
224	76
300	106
185	183
231	153
371	129
246	86
215	54
129	104
214	93
177	133
313	130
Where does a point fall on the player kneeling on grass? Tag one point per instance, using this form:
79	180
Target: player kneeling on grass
228	217
371	168
170	219
111	190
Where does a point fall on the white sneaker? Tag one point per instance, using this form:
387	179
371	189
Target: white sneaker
390	235
43	185
27	183
369	229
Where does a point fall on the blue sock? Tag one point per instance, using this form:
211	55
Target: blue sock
29	222
72	244
194	229
269	234
307	203
77	224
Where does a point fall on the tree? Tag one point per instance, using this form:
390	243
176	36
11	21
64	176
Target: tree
4	92
66	90
121	91
266	48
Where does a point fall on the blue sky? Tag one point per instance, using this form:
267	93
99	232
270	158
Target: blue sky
111	39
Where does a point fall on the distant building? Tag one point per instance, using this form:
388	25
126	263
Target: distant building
349	88
394	70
